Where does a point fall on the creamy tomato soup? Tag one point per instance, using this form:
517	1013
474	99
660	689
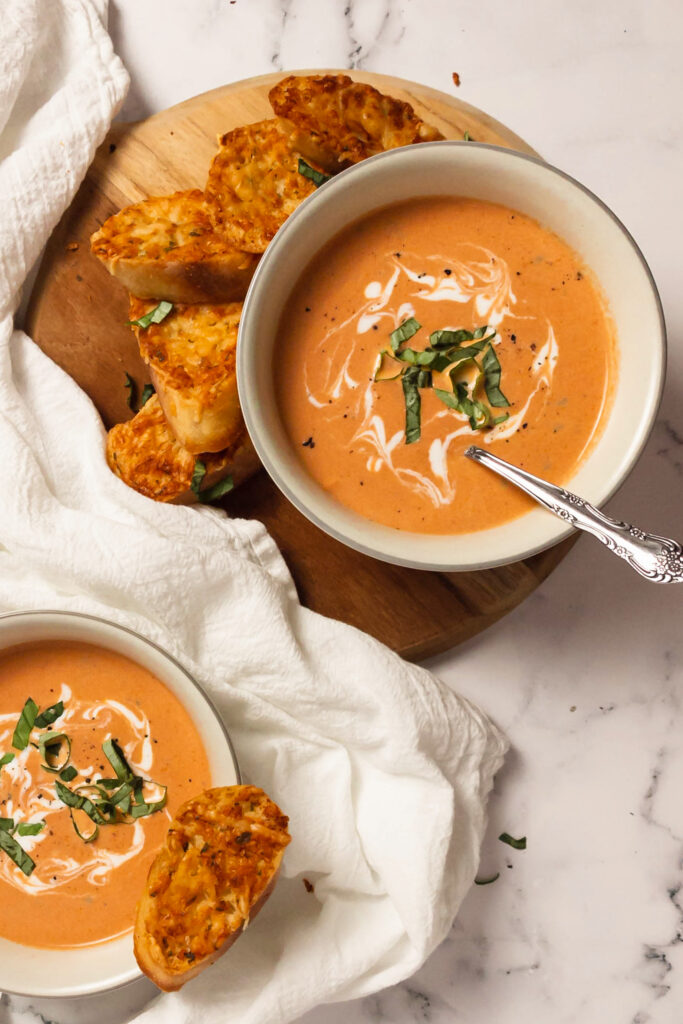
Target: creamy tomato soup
121	723
535	388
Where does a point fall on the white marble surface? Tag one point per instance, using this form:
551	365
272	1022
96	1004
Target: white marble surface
587	676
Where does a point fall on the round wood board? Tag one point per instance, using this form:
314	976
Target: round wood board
77	314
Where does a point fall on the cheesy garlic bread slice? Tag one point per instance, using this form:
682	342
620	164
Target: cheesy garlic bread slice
254	184
145	455
216	870
335	121
166	248
191	356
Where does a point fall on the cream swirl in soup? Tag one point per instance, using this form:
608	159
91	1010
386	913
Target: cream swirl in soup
66	880
445	264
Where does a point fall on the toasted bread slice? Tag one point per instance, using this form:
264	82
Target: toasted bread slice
218	867
191	356
144	454
254	184
166	248
335	121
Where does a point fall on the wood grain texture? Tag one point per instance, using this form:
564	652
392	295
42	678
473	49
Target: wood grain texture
77	314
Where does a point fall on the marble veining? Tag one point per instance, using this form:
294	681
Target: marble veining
586	925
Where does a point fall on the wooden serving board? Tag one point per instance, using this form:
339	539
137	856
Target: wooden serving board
77	315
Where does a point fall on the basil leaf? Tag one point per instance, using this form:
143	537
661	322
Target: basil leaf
142	808
197	476
132	392
26	722
11	847
84	827
80	803
516	844
467	137
117	759
7	824
54	760
477	413
446	338
437	361
155	316
108	783
403	332
378	368
317	177
487	881
481	331
500	419
147	393
26	829
492	373
210	494
68	774
411	396
50	715
6	758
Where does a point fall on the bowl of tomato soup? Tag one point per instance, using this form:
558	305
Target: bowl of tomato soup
103	735
430	298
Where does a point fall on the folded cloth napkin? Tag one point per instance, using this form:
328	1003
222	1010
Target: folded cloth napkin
383	771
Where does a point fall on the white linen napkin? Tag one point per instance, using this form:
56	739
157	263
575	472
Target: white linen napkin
383	771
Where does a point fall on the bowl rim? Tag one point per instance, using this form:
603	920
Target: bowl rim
626	465
75	993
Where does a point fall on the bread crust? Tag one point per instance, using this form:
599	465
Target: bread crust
192	359
146	456
219	865
254	184
336	122
165	247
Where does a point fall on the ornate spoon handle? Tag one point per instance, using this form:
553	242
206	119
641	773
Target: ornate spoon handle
657	558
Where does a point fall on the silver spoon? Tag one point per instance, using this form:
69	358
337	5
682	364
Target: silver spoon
657	558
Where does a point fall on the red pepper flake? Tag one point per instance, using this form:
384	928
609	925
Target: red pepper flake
308	886
456	78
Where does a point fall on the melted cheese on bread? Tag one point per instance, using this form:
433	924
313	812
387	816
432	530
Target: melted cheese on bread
218	866
335	121
166	248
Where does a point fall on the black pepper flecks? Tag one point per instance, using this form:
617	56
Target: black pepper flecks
310	443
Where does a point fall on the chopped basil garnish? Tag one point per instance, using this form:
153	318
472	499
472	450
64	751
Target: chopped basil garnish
516	844
55	751
403	332
68	774
467	137
197	476
11	847
132	388
446	349
147	393
142	808
49	715
412	399
25	724
317	177
378	374
6	758
117	759
79	803
7	824
208	494
492	378
155	316
84	827
487	881
26	829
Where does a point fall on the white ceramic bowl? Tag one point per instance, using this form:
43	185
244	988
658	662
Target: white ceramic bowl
29	971
515	180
